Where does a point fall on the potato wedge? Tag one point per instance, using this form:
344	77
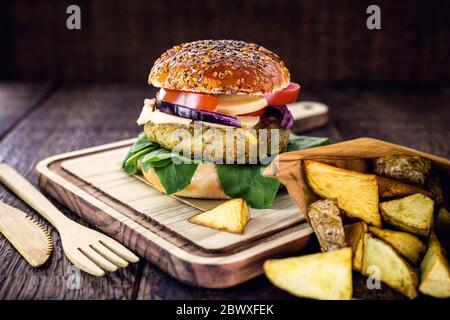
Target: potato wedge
325	276
325	219
435	271
231	216
391	267
354	235
408	245
395	188
355	192
409	169
413	213
443	220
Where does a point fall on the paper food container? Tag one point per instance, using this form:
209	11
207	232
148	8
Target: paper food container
351	154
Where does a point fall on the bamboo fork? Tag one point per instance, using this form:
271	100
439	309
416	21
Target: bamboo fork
87	249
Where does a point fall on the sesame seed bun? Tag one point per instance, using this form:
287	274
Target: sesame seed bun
220	67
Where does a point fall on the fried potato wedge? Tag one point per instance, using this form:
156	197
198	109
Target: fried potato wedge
325	219
443	220
381	260
355	192
435	271
409	169
325	276
231	216
395	188
413	213
408	245
354	235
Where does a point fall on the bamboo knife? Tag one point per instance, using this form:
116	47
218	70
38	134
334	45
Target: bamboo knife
27	235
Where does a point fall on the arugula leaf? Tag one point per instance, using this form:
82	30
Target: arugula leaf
175	177
304	142
141	147
247	181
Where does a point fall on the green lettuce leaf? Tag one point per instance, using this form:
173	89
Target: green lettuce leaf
175	177
247	181
140	148
304	142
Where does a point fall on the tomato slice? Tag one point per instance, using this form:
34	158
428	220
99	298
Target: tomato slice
193	100
285	96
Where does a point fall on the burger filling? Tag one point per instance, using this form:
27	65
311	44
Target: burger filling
239	133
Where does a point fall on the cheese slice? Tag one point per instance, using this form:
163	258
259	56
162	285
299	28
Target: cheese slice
239	104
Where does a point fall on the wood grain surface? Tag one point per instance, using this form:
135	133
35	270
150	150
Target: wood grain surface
16	100
79	116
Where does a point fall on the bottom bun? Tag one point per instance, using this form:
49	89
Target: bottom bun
204	184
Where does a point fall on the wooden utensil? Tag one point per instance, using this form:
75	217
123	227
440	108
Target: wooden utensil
27	235
308	115
87	249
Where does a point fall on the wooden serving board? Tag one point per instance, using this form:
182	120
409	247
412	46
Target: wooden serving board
91	183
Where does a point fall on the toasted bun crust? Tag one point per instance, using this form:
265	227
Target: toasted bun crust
204	185
220	67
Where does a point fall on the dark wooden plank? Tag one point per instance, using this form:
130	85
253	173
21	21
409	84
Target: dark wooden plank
18	99
417	119
72	118
156	284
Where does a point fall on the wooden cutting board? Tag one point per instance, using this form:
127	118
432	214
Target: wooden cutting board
154	225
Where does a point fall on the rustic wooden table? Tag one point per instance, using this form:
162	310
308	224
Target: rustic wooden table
38	120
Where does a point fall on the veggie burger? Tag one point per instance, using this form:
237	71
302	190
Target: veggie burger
225	98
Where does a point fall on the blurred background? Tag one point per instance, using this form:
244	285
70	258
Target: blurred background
321	41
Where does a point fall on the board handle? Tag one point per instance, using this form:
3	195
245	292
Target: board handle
32	196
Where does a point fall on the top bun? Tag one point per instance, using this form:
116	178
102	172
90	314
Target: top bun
220	67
